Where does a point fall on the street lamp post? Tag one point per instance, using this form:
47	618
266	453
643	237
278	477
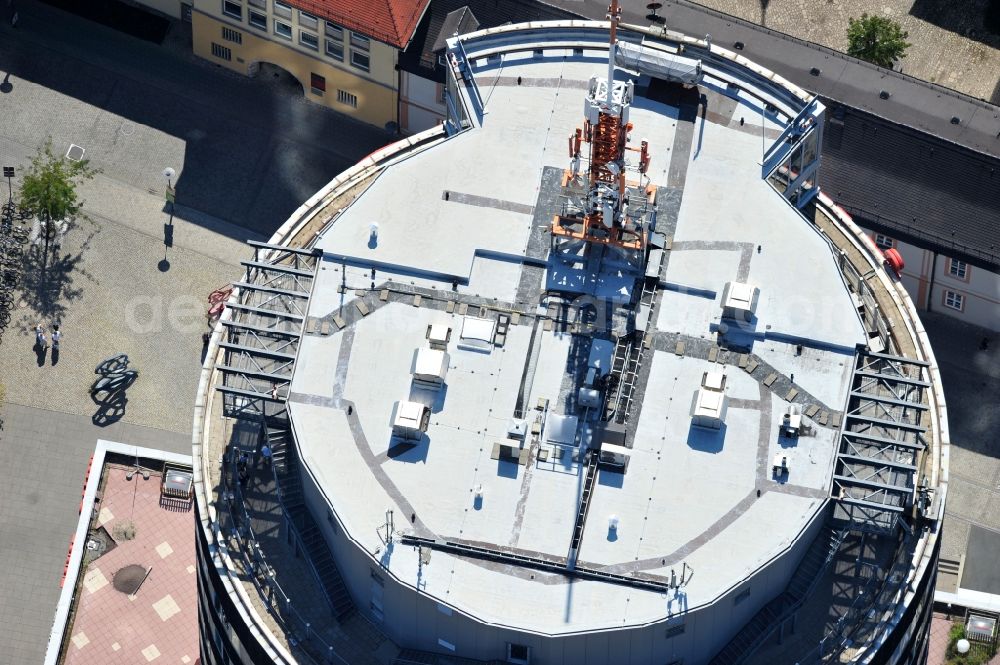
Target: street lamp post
8	209
171	195
8	172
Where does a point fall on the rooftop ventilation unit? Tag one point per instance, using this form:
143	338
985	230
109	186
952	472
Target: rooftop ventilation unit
517	428
739	301
438	336
709	407
614	456
791	422
409	420
657	63
430	368
477	334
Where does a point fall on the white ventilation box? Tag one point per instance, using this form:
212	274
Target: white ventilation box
477	334
409	420
430	368
612	455
710	403
739	301
438	335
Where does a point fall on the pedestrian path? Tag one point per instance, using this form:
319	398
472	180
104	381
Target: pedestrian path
41	483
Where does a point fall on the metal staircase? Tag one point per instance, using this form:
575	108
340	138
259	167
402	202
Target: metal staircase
773	615
305	531
318	551
581	515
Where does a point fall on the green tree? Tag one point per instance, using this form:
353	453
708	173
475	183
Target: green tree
877	39
48	189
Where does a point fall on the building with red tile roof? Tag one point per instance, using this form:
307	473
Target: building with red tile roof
389	21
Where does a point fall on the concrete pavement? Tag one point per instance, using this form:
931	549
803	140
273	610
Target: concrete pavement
972	390
246	157
242	153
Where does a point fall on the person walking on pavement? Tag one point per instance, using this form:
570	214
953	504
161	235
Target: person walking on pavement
56	336
41	341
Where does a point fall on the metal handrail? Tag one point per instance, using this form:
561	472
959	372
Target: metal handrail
298	538
267	589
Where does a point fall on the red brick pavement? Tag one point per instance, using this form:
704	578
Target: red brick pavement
109	627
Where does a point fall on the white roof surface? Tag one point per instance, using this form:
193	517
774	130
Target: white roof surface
702	480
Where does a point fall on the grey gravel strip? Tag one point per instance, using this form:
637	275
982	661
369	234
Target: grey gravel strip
486	202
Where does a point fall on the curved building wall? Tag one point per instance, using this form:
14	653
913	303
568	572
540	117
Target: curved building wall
415	620
232	629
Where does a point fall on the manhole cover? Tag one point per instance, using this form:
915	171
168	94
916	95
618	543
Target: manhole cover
128	579
75	152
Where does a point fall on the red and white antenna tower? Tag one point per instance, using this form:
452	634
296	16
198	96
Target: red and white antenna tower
606	129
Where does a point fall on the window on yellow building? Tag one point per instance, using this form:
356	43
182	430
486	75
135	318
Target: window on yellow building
361	60
221	52
360	56
308	40
282	29
258	20
335	49
360	41
231	35
308	20
233	9
258	3
334	41
345	97
334	31
317	83
281	9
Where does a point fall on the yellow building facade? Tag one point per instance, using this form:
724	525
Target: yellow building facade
336	67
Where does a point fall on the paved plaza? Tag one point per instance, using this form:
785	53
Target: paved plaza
972	390
114	285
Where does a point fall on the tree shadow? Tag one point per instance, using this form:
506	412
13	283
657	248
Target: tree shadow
976	21
48	282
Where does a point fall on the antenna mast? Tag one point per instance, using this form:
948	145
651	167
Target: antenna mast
604	217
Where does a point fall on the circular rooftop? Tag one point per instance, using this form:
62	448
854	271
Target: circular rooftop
559	431
476	361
